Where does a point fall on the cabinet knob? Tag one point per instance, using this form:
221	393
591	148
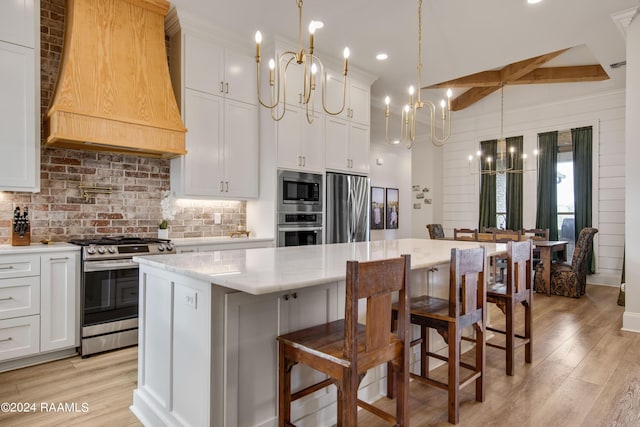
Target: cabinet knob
6	339
294	295
221	87
286	297
6	299
226	186
226	87
7	268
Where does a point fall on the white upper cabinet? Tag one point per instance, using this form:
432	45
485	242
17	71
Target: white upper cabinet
300	143
216	70
219	108
357	98
347	146
20	101
17	21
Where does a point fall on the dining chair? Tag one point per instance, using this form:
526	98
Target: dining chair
465	234
345	350
435	231
569	280
500	263
536	233
507	294
464	307
504	236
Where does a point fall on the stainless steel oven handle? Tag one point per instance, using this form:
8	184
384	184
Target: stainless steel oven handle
299	228
91	266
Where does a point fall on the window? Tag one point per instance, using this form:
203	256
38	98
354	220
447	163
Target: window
564	191
501	184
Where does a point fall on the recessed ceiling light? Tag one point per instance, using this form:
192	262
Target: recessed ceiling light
533	1
381	56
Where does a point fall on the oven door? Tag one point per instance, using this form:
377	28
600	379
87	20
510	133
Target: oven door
110	291
299	236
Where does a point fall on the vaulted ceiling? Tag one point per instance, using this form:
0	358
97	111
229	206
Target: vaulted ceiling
463	40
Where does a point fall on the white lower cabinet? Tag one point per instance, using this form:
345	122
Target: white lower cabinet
19	337
251	357
59	285
39	306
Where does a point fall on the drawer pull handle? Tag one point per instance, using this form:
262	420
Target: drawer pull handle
59	259
7	268
6	299
6	339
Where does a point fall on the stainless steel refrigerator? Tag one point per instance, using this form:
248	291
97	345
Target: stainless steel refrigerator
347	208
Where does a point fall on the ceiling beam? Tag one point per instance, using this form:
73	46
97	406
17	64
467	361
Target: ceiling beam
471	96
527	71
579	73
518	69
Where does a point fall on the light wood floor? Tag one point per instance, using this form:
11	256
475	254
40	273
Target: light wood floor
585	372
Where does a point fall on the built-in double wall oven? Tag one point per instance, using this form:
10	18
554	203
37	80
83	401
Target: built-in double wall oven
299	208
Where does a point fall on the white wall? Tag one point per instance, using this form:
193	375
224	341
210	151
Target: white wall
426	162
606	113
631	318
395	172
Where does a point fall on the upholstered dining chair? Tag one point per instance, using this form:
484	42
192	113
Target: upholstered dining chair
465	234
435	231
507	294
569	280
464	307
344	350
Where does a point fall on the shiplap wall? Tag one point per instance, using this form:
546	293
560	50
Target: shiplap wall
606	113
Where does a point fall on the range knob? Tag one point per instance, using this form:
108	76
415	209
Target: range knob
112	249
91	250
169	247
101	250
161	247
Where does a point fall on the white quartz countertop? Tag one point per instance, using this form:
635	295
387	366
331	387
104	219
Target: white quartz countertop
221	240
268	270
37	248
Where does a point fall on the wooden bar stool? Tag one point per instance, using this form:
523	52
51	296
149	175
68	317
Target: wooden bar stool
516	289
466	306
344	350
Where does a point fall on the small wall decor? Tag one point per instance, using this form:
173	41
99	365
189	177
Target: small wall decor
419	195
376	216
415	187
392	212
427	201
417	206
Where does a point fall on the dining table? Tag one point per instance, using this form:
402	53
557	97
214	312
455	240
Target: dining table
545	250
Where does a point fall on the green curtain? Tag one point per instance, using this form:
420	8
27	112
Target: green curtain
514	184
581	141
547	212
488	186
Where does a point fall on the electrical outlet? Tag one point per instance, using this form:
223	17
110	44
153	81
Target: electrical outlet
191	299
217	218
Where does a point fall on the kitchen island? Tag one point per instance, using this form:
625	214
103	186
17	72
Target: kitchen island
208	323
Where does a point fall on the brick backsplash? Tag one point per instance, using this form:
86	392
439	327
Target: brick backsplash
59	212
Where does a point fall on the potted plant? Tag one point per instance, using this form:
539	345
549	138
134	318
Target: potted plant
167	203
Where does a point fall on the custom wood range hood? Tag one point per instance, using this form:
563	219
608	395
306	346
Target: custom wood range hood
114	92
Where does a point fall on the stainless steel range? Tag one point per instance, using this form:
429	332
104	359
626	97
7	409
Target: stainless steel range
110	290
